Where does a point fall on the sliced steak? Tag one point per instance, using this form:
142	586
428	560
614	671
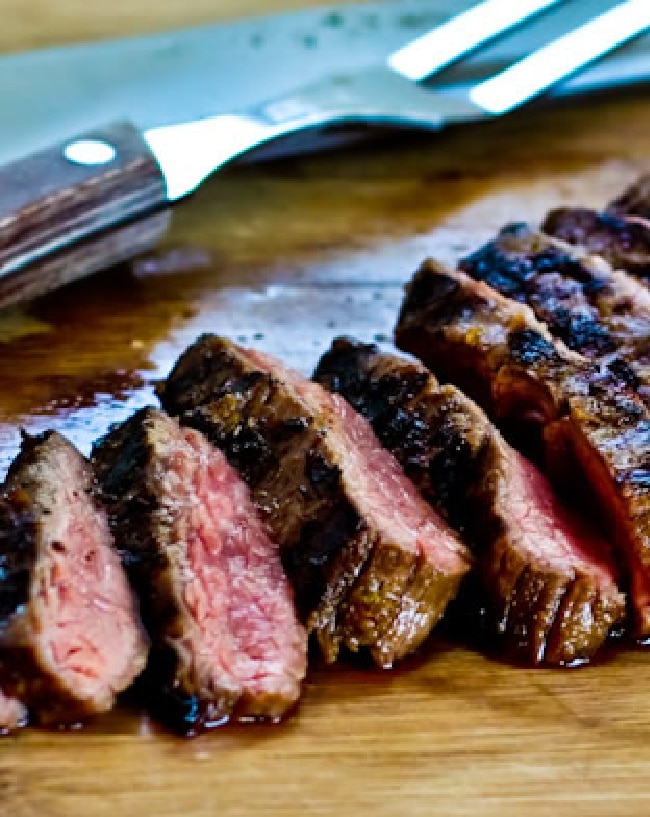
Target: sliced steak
225	637
373	566
595	431
623	242
71	638
603	314
549	582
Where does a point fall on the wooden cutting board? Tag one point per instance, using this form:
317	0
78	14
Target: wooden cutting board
285	256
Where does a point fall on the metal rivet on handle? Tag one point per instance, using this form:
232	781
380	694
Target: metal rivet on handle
89	152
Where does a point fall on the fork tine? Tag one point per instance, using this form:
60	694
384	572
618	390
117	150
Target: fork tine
562	57
461	34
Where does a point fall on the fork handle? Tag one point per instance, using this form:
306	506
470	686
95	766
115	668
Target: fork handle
72	209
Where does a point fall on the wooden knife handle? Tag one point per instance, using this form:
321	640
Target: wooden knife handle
54	203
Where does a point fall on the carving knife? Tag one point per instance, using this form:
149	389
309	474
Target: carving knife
92	200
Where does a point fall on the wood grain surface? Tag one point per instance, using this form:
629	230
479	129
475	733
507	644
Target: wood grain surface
284	256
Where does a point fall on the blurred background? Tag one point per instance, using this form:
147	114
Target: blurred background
38	23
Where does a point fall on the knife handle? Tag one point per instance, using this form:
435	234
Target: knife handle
77	207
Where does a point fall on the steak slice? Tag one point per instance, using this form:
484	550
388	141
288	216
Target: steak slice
596	311
217	605
623	242
373	566
550	584
595	431
71	638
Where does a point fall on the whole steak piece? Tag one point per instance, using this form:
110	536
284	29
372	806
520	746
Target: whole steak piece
71	637
593	429
373	566
226	642
549	584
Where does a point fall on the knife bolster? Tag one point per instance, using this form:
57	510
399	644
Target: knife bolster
52	207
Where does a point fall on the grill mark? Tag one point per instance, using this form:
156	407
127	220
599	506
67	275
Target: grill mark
601	314
624	243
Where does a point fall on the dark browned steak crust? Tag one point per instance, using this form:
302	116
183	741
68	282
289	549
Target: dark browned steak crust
595	431
623	242
553	613
635	201
355	587
35	584
601	313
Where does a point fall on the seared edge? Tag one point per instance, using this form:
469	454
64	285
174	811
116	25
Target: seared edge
634	201
623	242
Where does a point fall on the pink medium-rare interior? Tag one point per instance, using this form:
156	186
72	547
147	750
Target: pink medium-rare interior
88	630
546	529
245	636
374	479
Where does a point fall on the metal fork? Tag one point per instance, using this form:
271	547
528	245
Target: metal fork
388	96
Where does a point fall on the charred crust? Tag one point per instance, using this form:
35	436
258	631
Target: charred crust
430	292
309	563
200	376
120	461
577	295
621	241
528	346
399	429
581	332
172	704
249	451
17	553
323	475
622	370
509	270
635	201
345	359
